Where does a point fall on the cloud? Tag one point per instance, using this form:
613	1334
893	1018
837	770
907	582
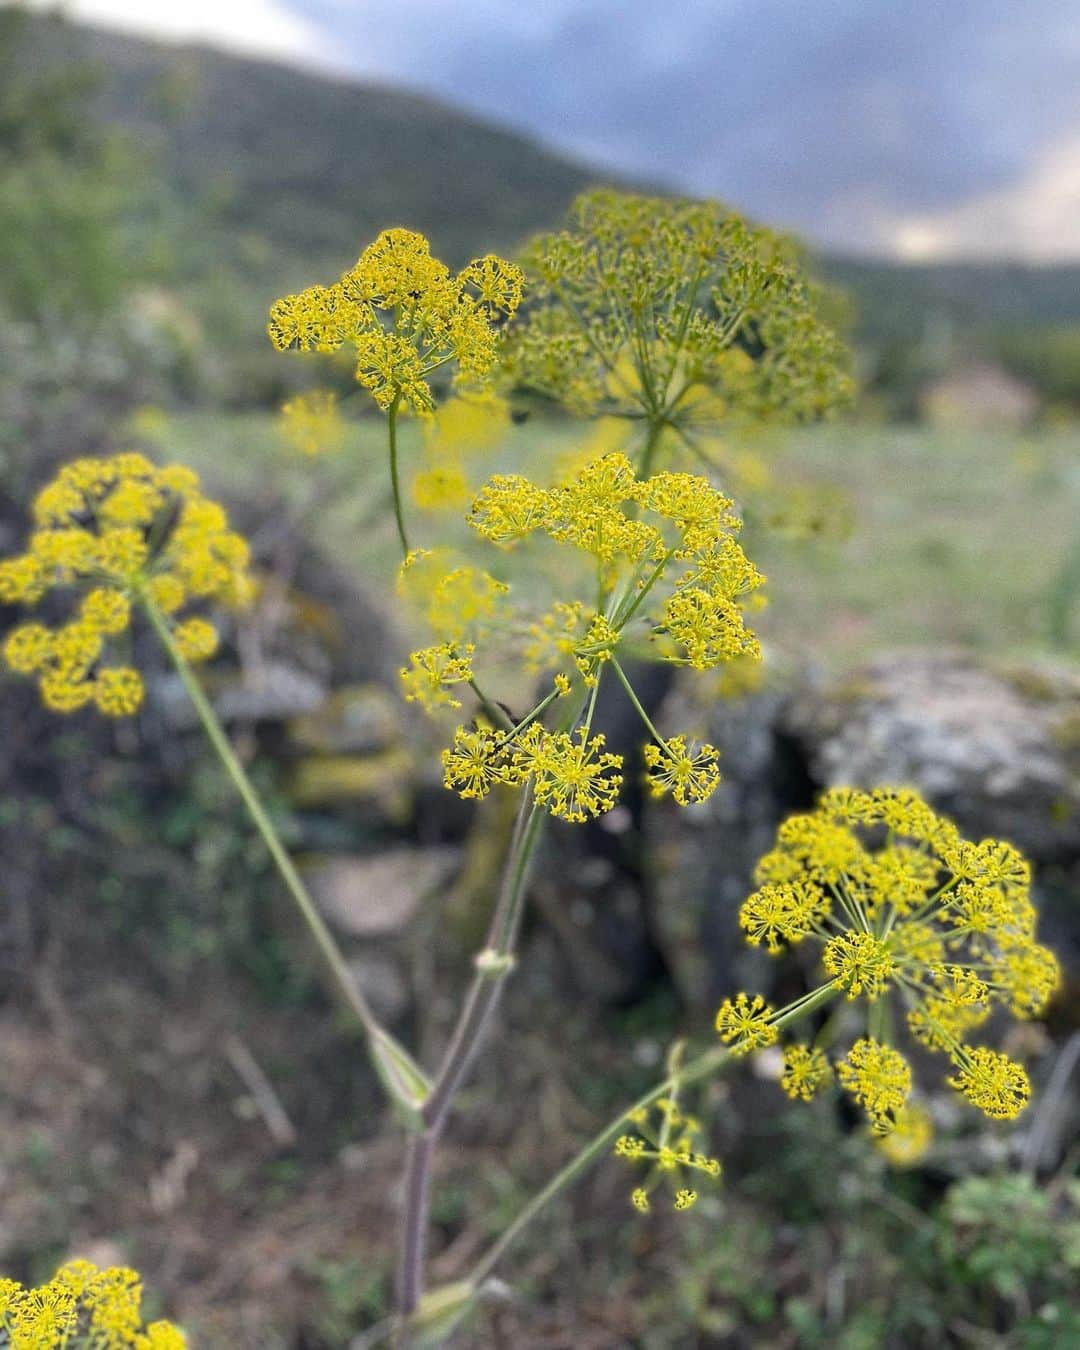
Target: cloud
838	117
1037	219
270	28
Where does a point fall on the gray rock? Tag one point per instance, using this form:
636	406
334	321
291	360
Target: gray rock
377	896
381	977
359	719
996	749
273	692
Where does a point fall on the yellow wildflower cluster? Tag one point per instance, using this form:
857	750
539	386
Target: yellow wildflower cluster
676	314
405	315
463	428
312	423
118	531
571	774
879	1078
664	1140
745	1023
458	602
671	535
433	672
806	1069
908	1142
639	532
82	1308
903	907
689	773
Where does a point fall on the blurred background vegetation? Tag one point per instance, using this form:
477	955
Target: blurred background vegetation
153	201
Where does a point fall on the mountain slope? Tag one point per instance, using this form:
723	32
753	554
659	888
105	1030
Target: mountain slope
303	166
266	178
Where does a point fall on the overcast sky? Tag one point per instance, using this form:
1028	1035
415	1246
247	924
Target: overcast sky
914	127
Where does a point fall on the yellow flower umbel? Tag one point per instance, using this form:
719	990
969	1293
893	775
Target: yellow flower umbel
462	429
112	533
879	1078
745	1023
806	1070
663	1140
405	316
433	672
647	544
82	1306
689	774
909	1141
312	423
677	316
906	912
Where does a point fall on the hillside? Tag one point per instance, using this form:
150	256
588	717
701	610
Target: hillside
263	177
897	299
288	165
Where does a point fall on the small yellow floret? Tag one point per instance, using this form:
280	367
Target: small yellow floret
860	963
433	671
993	1082
910	1139
744	1024
783	912
63	693
708	627
118	691
691	774
879	1078
197	639
475	762
805	1071
167	592
573	776
27	648
107	610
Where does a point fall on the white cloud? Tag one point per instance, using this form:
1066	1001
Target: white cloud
1036	219
252	27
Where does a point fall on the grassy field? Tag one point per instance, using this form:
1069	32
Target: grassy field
929	537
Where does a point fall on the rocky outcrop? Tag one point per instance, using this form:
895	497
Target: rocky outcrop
378	896
996	748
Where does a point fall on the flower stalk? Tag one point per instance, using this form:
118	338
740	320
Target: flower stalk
703	1066
402	1078
395	482
493	963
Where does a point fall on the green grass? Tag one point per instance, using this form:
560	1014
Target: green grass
955	538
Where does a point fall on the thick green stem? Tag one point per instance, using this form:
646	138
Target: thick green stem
324	940
399	515
493	964
652	442
623	615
